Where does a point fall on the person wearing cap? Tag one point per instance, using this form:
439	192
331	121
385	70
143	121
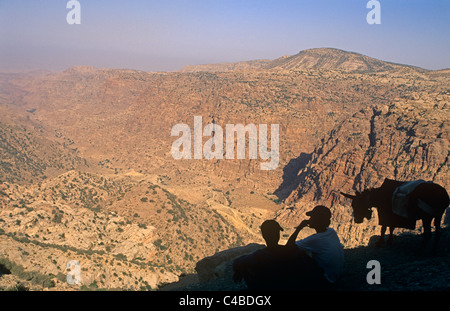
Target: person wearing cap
324	246
270	230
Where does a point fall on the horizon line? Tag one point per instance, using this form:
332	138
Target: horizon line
34	69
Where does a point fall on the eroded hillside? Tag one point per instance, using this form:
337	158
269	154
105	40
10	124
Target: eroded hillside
87	172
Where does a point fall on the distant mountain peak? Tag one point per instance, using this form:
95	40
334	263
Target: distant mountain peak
333	59
315	58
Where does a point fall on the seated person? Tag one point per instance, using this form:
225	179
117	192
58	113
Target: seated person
275	267
324	246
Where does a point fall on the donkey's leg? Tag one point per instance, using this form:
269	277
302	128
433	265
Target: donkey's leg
381	240
426	222
437	233
391	235
426	229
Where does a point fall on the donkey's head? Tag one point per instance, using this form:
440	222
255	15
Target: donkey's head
361	204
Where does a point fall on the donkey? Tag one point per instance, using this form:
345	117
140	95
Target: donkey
426	201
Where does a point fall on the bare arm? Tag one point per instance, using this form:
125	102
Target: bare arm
294	235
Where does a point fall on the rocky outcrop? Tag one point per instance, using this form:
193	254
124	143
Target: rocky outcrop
405	140
220	264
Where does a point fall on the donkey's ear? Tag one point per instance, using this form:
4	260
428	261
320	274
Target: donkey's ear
348	195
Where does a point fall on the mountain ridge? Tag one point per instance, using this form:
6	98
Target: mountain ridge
316	58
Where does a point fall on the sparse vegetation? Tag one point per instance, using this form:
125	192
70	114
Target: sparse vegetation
132	210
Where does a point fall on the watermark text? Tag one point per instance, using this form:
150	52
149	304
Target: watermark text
374	15
74	15
213	148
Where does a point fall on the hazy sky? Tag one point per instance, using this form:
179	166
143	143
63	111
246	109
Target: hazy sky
165	35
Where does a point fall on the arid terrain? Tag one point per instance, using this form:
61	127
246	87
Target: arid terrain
87	174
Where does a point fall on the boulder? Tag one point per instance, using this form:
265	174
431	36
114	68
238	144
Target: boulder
220	264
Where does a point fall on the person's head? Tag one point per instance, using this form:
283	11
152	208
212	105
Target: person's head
270	230
320	217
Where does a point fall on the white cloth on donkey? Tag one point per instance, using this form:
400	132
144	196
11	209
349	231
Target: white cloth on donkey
401	196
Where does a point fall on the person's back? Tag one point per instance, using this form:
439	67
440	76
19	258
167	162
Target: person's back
280	268
324	246
327	252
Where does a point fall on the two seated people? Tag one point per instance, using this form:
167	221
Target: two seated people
315	262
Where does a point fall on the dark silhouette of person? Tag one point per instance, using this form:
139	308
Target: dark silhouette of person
324	246
275	267
270	230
